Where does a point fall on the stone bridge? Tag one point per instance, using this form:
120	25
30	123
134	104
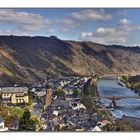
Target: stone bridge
114	98
112	76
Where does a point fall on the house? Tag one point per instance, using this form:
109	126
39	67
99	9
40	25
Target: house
55	113
70	126
13	125
2	126
103	123
40	91
80	129
96	128
60	104
56	86
78	106
53	37
14	95
68	91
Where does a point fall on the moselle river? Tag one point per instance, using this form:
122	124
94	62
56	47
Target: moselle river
128	107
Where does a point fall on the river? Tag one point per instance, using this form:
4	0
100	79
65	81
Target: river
128	107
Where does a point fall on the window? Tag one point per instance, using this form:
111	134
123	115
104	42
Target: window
1	126
20	100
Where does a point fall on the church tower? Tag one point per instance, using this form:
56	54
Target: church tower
48	98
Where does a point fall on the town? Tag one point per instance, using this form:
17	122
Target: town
54	104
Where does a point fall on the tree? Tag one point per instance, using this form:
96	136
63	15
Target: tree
30	98
125	126
75	93
90	88
87	102
39	100
91	91
118	126
60	92
26	123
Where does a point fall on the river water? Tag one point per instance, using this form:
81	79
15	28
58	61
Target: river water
128	107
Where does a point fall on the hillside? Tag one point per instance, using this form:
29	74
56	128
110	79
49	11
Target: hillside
29	59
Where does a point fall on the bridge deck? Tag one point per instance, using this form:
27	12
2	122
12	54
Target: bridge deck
116	97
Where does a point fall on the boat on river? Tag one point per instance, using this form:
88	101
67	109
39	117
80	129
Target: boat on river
120	82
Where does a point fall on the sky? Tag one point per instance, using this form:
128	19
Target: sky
107	26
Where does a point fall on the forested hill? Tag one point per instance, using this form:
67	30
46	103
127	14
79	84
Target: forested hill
29	59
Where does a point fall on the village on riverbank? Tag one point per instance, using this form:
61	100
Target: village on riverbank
57	104
51	105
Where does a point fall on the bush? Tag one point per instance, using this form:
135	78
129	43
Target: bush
59	92
76	93
10	114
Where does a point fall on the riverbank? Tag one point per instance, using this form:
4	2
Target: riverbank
131	82
132	121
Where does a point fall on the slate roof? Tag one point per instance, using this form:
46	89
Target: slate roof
59	102
14	89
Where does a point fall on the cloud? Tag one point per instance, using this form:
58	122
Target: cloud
120	34
65	30
66	21
124	21
67	24
78	19
91	15
102	30
127	25
87	35
13	32
106	36
23	20
51	30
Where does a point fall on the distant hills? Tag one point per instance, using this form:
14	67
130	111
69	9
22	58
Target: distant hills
29	59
